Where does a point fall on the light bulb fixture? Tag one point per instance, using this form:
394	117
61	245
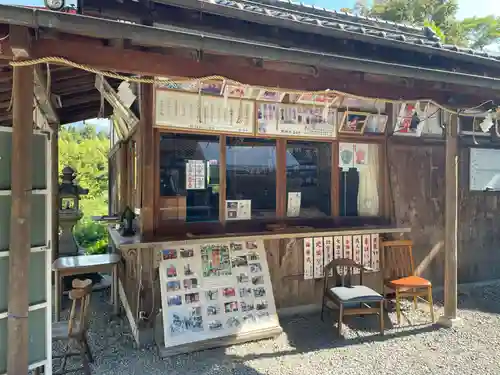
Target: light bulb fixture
54	4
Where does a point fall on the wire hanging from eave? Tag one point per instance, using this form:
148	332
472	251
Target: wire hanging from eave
66	62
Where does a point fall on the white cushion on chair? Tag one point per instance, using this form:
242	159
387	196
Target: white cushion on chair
356	294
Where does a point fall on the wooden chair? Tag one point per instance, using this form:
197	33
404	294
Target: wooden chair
74	331
350	299
398	275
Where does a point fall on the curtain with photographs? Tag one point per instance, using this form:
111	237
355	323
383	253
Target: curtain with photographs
368	198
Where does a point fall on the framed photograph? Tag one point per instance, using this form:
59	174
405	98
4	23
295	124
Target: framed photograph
353	123
376	124
318	99
235	91
212	87
411	119
271	96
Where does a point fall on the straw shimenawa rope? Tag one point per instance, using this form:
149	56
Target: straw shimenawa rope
160	81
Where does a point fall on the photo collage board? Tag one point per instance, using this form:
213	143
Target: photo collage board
214	290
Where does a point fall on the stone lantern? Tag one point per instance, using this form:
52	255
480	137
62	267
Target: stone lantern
69	211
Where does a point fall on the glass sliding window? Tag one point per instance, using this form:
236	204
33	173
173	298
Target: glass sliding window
308	179
250	179
359	179
189	177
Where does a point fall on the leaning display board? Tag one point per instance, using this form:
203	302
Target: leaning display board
216	290
203	113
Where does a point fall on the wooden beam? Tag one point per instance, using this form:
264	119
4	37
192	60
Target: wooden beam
20	42
451	223
148	148
5	76
21	46
20	222
80	99
44	97
156	64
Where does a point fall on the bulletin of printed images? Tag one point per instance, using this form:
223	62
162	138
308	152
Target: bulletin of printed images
214	290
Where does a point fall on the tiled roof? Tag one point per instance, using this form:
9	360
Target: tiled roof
341	21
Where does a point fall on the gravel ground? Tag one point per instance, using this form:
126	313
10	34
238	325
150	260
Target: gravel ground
309	346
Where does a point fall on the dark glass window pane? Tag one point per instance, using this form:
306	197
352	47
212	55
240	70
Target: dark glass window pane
189	167
308	172
358	179
251	174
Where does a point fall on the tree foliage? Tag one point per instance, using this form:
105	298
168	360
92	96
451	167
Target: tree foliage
85	150
440	16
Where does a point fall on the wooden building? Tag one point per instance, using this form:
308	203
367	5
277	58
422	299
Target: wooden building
281	56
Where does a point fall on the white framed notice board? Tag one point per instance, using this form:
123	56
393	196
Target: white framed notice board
215	290
484	166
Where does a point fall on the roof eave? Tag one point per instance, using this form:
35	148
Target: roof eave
178	37
264	19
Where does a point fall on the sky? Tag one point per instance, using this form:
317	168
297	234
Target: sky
468	8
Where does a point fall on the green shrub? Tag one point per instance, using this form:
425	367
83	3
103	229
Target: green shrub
91	236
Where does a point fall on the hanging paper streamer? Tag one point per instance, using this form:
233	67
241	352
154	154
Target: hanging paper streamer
308	259
328	252
357	249
367	250
318	258
375	252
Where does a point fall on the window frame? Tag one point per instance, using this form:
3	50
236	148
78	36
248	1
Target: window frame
281	183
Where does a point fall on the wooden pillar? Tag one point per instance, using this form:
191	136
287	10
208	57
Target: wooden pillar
222	177
147	159
451	223
54	151
20	221
281	194
385	193
124	175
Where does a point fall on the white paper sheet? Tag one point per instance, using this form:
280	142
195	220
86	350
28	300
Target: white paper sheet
328	251
308	259
357	249
318	258
293	205
375	252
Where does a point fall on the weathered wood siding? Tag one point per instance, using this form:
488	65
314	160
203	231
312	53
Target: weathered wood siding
417	174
